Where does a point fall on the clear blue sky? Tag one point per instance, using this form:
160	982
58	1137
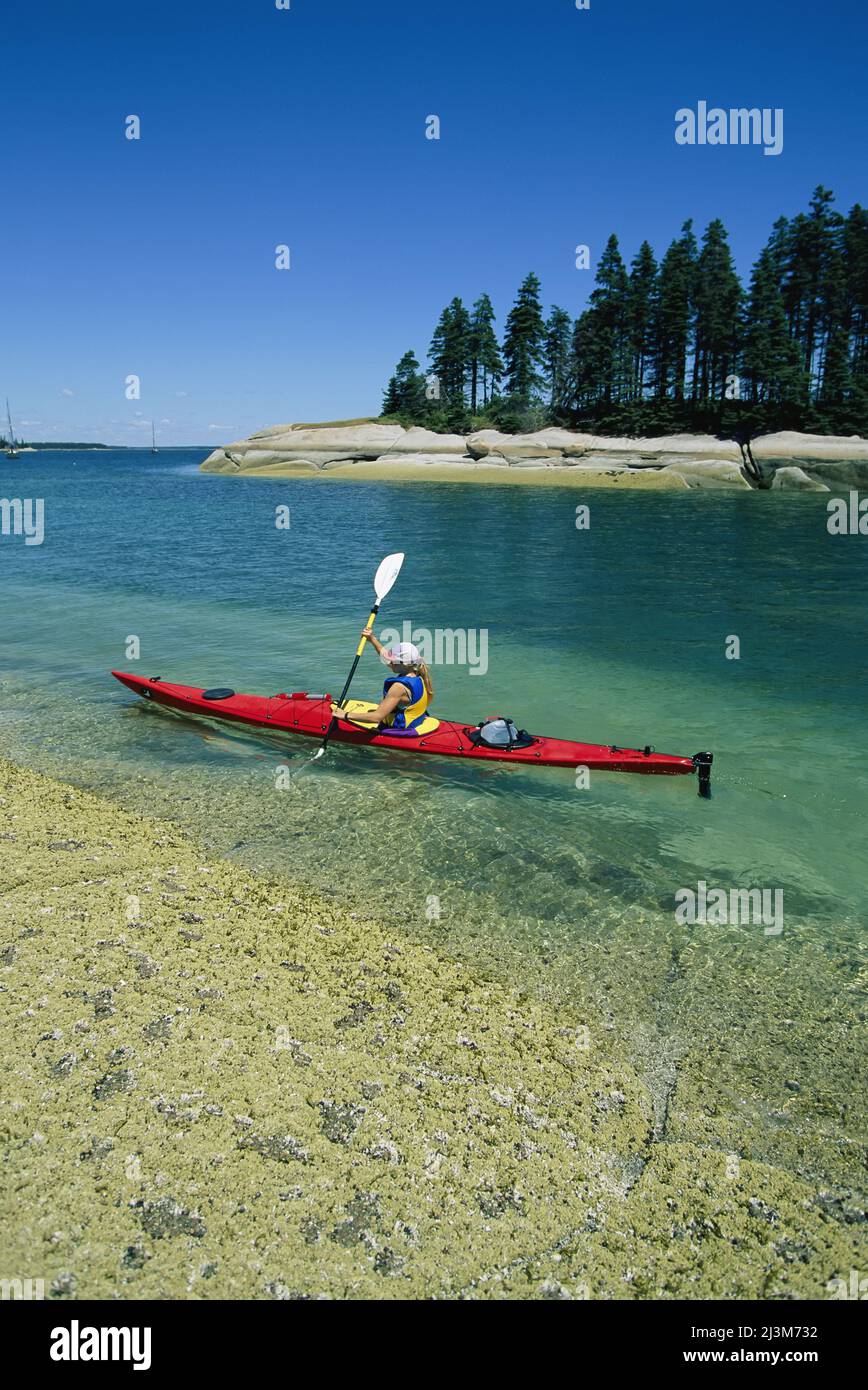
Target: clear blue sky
307	126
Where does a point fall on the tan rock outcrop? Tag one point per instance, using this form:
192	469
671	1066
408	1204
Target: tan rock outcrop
714	473
702	461
796	480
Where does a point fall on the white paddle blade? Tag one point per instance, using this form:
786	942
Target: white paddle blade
387	574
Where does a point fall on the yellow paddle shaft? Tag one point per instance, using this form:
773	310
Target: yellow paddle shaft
370	623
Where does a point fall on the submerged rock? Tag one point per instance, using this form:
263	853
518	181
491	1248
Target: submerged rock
796	479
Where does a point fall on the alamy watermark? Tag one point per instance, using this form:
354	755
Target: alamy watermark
719	907
77	1343
444	646
23	516
856	1287
847	516
737	126
21	1290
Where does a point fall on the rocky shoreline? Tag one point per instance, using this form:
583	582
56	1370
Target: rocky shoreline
223	1086
790	461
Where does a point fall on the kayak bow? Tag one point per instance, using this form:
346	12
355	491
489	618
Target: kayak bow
303	713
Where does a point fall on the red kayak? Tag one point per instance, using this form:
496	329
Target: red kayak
303	713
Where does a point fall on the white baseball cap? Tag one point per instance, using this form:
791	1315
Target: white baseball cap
405	654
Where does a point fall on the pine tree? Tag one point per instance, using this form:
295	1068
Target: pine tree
778	247
674	315
810	246
449	356
485	358
855	251
405	394
610	326
717	302
524	343
557	354
770	358
583	376
391	397
640	317
834	385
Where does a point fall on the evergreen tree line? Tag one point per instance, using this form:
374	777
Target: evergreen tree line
675	345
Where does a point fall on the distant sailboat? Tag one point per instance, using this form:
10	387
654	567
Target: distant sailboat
11	451
154	449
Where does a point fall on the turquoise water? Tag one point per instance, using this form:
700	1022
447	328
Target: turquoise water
614	634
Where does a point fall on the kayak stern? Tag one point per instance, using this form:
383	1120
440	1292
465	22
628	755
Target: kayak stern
702	762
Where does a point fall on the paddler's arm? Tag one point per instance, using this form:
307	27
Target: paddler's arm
368	633
384	709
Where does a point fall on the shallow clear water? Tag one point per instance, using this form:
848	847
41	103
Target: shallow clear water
614	634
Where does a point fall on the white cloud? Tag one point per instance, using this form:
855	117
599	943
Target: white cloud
66	392
219	427
181	394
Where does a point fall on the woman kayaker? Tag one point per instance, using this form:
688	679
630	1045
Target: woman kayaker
407	692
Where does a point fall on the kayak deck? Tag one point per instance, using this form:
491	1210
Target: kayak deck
302	713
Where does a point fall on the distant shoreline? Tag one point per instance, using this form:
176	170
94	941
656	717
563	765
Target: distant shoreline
80	448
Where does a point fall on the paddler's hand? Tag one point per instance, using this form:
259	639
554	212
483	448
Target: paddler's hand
338	712
367	633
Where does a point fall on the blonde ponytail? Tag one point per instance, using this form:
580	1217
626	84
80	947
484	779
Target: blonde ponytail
422	668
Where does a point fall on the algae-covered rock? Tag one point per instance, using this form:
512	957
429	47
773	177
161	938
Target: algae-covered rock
439	459
300	1102
713	473
842	473
796	480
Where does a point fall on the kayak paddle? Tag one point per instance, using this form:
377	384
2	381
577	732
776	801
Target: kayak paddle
383	581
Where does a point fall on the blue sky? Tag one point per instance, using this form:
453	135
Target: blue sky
307	127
